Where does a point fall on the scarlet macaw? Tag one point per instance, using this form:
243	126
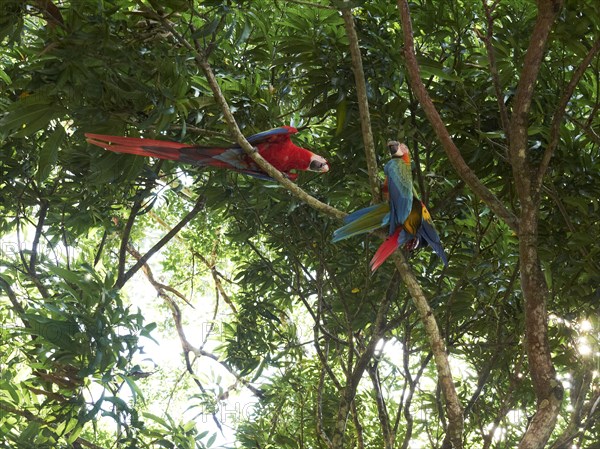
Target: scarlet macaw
274	145
404	213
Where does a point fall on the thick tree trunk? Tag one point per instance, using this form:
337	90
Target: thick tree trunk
548	389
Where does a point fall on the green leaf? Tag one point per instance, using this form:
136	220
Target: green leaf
118	402
49	153
4	77
29	115
156	419
68	275
59	332
437	71
211	440
207	29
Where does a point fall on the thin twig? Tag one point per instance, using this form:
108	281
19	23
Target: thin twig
177	317
487	40
162	242
349	391
36	239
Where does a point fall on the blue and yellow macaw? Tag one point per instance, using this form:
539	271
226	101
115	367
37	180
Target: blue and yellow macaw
404	213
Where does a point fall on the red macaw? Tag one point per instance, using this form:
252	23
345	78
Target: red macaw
274	145
406	216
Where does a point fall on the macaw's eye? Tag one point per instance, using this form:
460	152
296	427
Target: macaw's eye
317	165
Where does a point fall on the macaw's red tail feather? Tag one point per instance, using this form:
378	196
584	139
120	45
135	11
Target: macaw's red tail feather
385	250
162	149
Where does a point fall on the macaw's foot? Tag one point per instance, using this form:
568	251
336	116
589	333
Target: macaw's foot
412	245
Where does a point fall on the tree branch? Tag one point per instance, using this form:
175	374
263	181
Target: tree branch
237	133
177	318
13	299
454	410
162	242
413	383
519	123
487	40
319	411
356	372
548	390
384	417
559	113
126	233
363	104
358	426
33	418
36	238
456	159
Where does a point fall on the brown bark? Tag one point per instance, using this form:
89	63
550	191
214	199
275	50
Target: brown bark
363	104
547	388
454	410
519	123
235	131
454	156
528	182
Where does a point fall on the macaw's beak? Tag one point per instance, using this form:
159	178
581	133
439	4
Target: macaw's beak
393	146
318	164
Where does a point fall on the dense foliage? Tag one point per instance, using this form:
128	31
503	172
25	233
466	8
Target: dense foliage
271	317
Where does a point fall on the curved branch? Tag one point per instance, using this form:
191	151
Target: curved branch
186	346
559	113
137	205
363	104
4	285
454	156
237	133
356	372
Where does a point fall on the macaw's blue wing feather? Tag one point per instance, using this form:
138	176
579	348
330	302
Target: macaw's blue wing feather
429	234
282	131
363	220
399	179
376	210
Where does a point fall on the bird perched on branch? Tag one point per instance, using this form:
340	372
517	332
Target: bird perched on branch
275	146
408	220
